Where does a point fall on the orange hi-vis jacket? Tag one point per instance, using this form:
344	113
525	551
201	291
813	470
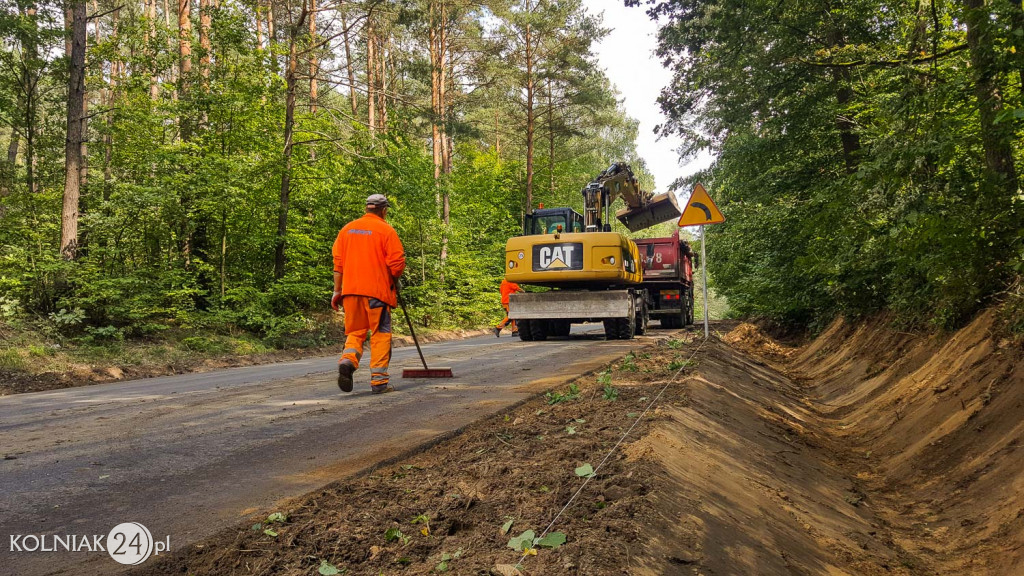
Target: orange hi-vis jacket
369	256
507	288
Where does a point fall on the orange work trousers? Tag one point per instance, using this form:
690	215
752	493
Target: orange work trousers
507	320
368	315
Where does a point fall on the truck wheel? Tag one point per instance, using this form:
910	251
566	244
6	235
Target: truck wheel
538	330
689	318
524	330
611	331
560	328
669	322
626	328
643	320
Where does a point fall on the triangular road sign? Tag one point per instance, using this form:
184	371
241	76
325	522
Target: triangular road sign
700	209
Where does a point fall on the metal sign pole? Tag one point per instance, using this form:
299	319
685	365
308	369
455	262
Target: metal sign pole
704	271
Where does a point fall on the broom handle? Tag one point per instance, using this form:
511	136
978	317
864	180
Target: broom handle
409	322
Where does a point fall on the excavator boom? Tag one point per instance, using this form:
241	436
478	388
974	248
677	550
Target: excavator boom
643	209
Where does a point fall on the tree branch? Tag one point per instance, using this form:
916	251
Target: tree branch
885	63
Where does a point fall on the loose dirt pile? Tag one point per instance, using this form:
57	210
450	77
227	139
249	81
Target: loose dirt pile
453	499
866	452
932	426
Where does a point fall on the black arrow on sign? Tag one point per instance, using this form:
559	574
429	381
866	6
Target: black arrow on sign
707	211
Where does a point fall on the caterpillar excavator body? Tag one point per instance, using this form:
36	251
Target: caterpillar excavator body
595	274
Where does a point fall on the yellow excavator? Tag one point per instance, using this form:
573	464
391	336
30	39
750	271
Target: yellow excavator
595	274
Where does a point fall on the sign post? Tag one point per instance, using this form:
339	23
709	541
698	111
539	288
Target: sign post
701	210
704	273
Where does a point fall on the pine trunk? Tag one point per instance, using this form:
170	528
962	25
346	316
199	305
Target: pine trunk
349	68
371	93
291	82
313	63
73	142
184	61
204	44
551	142
529	119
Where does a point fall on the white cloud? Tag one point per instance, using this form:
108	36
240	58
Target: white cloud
627	55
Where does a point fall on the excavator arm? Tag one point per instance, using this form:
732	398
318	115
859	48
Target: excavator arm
643	209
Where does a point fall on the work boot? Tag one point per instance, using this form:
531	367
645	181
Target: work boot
381	389
497	332
515	333
345	370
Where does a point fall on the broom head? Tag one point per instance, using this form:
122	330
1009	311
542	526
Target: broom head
436	372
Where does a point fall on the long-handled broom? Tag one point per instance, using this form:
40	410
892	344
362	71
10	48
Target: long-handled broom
425	372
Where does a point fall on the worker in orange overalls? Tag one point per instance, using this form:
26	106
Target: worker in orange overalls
507	289
368	260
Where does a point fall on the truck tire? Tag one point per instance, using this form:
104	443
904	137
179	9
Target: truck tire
611	331
689	317
670	322
538	330
559	328
524	330
620	328
642	320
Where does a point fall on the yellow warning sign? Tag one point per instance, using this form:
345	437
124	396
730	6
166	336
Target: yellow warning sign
700	209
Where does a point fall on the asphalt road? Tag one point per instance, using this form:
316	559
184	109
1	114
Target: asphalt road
188	455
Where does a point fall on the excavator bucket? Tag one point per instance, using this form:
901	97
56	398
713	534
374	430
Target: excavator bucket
661	208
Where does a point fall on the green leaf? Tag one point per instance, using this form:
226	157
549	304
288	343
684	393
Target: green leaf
570	430
327	569
552	540
523	541
392	534
257	527
585	471
277	517
506	527
442	566
270	532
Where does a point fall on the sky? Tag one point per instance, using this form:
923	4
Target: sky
627	55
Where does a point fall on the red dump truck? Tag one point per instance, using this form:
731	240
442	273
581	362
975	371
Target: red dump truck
668	277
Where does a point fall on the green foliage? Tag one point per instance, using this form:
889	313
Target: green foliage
866	166
328	569
585	471
557	397
523	541
677	364
610	392
179	214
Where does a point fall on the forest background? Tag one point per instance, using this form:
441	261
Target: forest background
181	167
187	166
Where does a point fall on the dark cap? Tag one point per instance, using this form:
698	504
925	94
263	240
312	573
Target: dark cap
378	200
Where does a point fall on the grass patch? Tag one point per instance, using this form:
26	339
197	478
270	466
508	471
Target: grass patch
11	359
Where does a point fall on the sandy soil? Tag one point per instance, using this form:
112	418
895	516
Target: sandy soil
867	451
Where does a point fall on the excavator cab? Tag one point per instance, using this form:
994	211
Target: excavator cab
548	220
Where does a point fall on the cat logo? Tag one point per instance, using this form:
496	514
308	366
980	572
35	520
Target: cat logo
551	257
